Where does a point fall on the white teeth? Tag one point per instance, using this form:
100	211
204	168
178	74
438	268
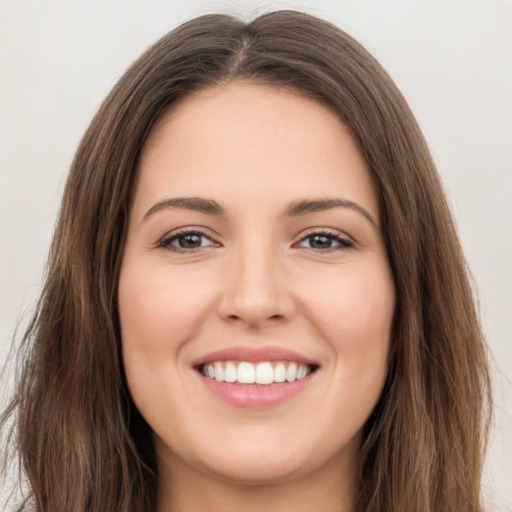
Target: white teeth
230	373
261	373
302	371
219	372
280	373
246	373
264	373
291	372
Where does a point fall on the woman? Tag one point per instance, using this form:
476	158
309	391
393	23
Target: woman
255	295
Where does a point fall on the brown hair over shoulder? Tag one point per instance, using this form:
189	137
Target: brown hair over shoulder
82	444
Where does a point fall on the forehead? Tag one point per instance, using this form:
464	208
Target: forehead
256	143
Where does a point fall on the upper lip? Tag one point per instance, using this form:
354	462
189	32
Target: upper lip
254	355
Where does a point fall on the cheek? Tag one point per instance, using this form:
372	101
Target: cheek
159	309
354	305
159	312
354	313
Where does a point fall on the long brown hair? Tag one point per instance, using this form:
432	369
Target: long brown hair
83	445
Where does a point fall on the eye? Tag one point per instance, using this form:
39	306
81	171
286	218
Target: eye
325	241
185	241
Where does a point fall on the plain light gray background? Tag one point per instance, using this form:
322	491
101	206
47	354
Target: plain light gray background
451	59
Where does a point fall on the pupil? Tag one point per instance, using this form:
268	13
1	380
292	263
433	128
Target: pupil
190	241
320	242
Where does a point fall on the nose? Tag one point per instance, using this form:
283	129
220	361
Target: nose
256	292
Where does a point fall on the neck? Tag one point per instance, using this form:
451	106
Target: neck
183	488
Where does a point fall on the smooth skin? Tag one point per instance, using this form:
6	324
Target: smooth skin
257	273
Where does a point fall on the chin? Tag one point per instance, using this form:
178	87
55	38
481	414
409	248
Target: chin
258	468
260	460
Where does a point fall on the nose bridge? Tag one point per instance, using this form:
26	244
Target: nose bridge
255	291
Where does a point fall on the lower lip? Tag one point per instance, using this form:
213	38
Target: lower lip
254	396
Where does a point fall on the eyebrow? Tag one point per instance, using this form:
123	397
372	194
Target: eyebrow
294	209
305	206
197	204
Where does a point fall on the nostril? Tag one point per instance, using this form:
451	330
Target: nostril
256	301
254	321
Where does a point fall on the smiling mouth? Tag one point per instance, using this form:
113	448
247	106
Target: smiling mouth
263	373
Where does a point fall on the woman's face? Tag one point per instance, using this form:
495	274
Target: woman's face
254	252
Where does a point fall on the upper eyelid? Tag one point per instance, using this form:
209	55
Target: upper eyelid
331	231
325	231
186	230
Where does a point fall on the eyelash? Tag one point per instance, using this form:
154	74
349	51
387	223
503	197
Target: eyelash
334	236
